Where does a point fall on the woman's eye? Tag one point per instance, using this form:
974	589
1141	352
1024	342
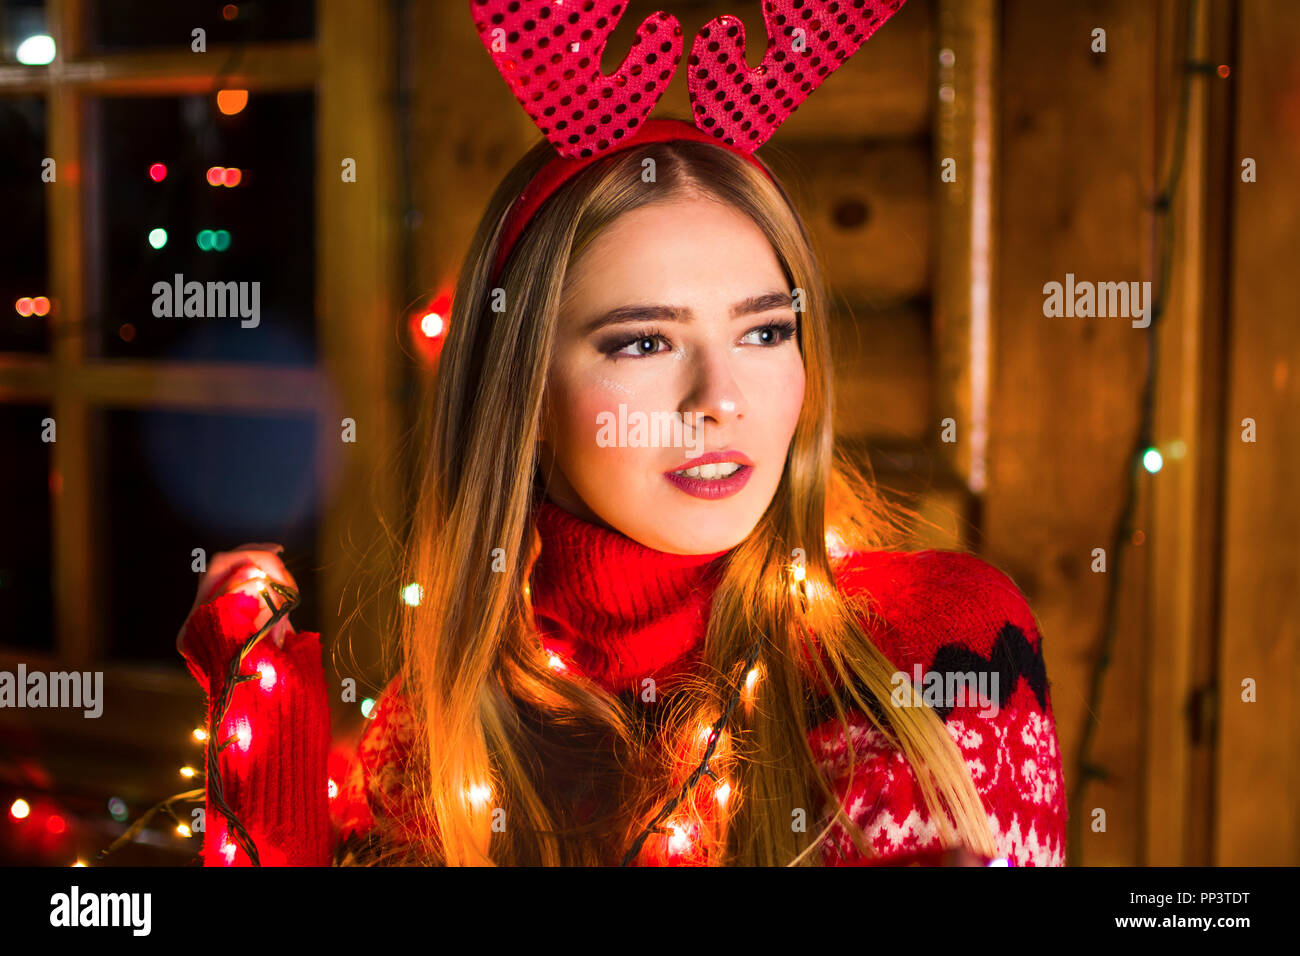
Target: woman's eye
636	347
773	334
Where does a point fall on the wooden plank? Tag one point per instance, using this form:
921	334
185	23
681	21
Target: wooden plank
203	386
1186	498
264	67
869	211
882	375
78	629
358	262
1064	400
964	134
1258	781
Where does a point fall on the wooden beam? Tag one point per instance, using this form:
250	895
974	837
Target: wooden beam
78	628
965	137
1183	546
1257	785
360	316
262	67
204	386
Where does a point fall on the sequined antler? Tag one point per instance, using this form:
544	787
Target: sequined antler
807	40
549	53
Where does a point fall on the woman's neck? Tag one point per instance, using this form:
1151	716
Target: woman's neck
612	608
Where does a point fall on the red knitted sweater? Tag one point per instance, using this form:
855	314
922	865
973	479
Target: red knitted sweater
619	612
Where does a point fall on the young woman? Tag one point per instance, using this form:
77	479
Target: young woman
617	657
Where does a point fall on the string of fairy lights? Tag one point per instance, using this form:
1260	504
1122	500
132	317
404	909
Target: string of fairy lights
240	732
1144	456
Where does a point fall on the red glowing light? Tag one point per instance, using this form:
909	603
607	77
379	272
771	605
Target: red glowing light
56	823
232	176
230	11
157	172
24	306
429	327
1224	70
216	174
40	305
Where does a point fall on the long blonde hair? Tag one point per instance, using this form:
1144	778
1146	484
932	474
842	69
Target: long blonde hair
500	735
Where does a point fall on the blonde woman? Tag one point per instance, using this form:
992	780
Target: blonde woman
644	645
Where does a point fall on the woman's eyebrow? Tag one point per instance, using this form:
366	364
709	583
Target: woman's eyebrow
766	302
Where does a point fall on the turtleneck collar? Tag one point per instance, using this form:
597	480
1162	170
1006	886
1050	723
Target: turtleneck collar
614	609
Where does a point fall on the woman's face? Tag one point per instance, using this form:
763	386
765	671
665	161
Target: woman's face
676	340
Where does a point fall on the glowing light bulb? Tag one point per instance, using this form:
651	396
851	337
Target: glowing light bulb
200	734
431	325
216	175
232	177
24	306
157	172
243	734
332	789
750	680
157	238
55	823
1152	460
555	663
368	707
231	102
798	571
183	830
723	793
188	772
267	670
20	809
228	849
78	863
36	50
413	594
480	794
679	842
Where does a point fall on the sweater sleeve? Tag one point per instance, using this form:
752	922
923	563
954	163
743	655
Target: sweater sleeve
943	614
274	768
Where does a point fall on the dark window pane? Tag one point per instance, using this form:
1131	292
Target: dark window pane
267	256
24	277
21	20
26	604
128	24
176	481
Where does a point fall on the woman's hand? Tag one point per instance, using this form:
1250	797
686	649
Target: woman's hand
247	569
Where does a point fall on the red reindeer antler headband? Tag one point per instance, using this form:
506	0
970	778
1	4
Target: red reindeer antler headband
549	53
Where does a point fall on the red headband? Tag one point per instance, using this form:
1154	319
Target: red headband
549	53
560	170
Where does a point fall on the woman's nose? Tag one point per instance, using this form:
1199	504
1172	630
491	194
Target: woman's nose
714	392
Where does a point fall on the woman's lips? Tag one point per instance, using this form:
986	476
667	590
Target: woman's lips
712	487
